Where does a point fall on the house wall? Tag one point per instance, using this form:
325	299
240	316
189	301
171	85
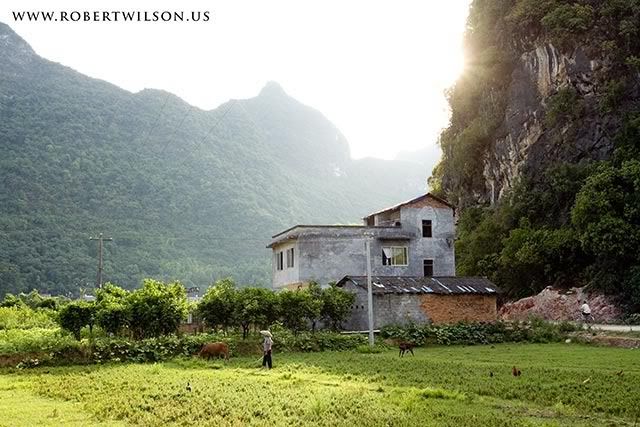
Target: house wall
286	275
436	247
457	308
396	309
329	258
324	254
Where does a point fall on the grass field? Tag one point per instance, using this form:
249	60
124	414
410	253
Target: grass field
451	386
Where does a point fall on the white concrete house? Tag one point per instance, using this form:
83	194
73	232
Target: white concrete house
414	238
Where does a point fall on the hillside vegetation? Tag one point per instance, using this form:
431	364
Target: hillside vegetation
186	194
546	125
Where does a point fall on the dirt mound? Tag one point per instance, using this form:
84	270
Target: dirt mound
562	304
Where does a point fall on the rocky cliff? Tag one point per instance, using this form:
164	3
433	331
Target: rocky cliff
544	83
542	154
526	143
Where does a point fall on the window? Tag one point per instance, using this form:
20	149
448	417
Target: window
426	228
428	267
279	260
290	258
395	255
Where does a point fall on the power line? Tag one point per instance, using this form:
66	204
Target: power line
152	127
215	125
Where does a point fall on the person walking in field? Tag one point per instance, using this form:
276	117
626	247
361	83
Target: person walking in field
266	348
586	313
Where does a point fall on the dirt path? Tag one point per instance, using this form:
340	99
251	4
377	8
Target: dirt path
614	328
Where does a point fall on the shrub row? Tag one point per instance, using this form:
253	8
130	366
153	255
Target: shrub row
535	330
59	348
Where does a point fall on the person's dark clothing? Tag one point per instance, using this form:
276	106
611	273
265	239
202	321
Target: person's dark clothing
266	359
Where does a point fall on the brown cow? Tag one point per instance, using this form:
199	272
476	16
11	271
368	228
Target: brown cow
214	349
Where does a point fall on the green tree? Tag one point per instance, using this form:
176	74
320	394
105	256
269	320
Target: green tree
255	306
218	305
315	304
76	315
11	300
113	313
157	308
294	308
336	305
607	218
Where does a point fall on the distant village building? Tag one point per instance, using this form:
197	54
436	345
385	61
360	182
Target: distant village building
193	323
412	263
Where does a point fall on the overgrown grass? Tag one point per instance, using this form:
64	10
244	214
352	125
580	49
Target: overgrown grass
35	340
23	317
451	386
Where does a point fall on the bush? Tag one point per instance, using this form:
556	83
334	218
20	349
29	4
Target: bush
23	317
35	340
632	319
535	330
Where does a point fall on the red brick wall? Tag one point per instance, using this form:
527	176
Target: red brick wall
456	308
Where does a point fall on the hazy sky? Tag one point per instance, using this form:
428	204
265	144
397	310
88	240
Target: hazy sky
377	69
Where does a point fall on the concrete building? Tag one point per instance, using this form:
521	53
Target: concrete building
414	238
401	300
412	263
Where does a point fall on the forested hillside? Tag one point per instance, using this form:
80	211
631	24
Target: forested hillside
542	152
186	194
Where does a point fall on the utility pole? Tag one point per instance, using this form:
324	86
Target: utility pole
367	248
100	240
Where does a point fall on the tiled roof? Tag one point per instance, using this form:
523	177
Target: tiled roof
424	285
408	202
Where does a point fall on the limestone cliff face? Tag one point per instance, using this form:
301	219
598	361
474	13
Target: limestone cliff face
526	142
545	83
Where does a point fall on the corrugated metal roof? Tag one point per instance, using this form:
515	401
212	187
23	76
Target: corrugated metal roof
424	285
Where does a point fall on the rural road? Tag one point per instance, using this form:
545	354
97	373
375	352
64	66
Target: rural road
614	328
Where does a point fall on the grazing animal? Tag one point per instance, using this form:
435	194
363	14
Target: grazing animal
491	373
214	349
188	387
404	347
620	374
516	372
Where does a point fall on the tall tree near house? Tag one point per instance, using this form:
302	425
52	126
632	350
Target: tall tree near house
255	306
314	304
336	305
218	305
295	309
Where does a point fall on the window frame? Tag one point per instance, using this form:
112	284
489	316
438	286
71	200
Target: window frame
279	261
430	225
425	264
290	258
390	261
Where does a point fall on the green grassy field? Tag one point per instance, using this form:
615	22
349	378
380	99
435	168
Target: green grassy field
560	385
